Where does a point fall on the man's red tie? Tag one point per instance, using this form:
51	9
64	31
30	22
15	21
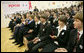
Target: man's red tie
78	36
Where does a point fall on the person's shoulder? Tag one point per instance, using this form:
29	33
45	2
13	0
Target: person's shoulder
40	24
48	24
74	30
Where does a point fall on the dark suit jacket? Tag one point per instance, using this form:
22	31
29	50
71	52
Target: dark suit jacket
62	40
73	42
18	20
80	45
44	32
34	33
70	25
55	24
63	37
36	29
36	10
51	19
10	24
29	26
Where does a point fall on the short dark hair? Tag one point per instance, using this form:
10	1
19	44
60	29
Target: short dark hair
44	16
37	16
30	12
63	19
18	14
68	13
32	16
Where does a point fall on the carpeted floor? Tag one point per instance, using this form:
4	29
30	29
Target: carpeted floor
6	44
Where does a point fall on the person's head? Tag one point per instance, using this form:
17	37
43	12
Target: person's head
23	20
80	8
43	18
24	16
48	14
74	8
30	12
67	15
19	16
14	18
31	17
13	15
27	15
62	20
55	16
36	18
35	7
36	13
78	20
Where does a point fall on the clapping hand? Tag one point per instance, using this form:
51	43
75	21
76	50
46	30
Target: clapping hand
53	37
35	39
30	31
61	50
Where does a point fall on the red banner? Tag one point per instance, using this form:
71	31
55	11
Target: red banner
30	6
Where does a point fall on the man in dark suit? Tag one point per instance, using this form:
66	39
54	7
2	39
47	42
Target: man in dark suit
18	19
30	25
13	24
70	21
36	10
50	19
24	31
18	28
34	33
10	23
16	31
16	22
75	43
59	37
55	20
43	36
